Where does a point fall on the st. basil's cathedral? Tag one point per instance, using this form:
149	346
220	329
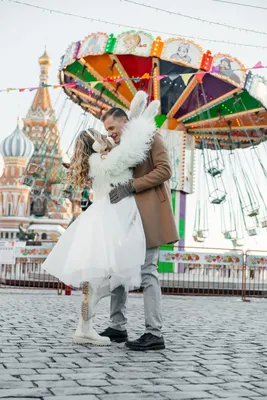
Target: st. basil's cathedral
19	204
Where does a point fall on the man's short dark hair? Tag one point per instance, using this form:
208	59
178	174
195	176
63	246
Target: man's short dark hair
115	112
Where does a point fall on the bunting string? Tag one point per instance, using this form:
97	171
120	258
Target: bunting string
221	24
185	77
241	4
121	25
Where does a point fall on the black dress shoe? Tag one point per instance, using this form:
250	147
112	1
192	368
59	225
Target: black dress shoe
115	335
146	342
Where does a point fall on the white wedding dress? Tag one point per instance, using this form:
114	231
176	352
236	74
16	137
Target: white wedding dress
107	240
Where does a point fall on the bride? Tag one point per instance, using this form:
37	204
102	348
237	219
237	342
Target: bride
105	246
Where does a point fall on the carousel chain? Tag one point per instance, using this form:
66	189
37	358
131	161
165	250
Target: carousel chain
133	26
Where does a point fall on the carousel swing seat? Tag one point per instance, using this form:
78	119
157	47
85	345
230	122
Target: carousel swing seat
214	168
69	193
198	239
252	231
238	242
200	235
231	235
37	191
27	181
36	170
252	210
217	197
84	203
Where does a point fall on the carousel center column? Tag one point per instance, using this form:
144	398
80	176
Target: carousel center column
181	148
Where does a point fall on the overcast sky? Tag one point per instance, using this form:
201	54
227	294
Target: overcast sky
24	33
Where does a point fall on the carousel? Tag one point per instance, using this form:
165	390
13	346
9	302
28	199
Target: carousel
212	116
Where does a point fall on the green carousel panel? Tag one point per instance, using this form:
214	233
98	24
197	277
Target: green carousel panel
166	267
238	103
76	69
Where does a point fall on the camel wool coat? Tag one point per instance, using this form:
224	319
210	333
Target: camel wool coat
153	195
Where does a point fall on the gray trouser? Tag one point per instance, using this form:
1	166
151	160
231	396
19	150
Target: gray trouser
152	298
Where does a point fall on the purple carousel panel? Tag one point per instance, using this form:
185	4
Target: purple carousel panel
211	89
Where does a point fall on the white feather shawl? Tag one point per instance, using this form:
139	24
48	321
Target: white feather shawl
133	149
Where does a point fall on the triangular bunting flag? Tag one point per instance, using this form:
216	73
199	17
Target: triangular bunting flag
21	90
161	77
186	77
56	86
145	76
215	69
200	76
70	85
258	65
93	84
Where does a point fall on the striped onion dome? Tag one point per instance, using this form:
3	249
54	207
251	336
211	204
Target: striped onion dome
17	145
2	165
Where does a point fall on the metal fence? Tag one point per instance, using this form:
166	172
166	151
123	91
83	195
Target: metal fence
255	275
182	271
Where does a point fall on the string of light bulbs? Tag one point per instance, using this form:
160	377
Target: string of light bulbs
241	4
50	10
195	18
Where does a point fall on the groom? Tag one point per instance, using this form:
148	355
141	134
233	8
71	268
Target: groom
152	193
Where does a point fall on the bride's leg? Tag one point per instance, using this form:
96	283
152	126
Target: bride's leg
101	292
85	332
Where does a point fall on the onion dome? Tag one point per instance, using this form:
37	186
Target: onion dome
45	59
2	165
17	145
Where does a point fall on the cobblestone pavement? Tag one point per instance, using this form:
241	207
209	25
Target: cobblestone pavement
216	348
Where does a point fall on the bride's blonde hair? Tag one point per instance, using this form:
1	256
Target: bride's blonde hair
78	174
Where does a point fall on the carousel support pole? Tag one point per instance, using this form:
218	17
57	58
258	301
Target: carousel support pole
182	213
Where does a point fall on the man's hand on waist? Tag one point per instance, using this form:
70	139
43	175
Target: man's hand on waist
121	191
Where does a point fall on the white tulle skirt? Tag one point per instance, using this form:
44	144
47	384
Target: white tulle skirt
107	240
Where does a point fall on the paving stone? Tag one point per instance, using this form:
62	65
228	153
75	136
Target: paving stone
130	382
194	388
233	392
30	365
81	375
15	385
96	382
216	349
56	384
17	393
39	377
121	389
133	375
75	397
205	379
133	396
7	377
187	395
158	388
50	371
75	391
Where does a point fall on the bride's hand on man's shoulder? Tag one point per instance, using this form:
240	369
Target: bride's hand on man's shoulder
104	152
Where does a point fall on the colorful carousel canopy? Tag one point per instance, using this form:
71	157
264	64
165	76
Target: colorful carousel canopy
210	95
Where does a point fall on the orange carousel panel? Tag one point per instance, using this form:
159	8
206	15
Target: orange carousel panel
255	120
102	65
